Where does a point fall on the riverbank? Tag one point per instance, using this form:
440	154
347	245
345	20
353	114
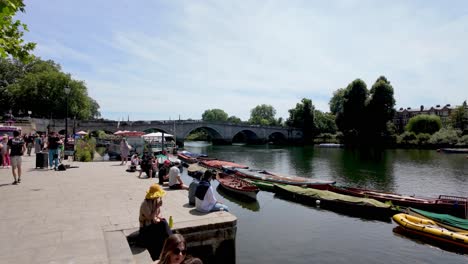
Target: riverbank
82	214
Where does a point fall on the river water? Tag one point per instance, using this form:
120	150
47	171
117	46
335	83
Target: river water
273	230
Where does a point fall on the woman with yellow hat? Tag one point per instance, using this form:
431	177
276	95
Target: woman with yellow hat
154	229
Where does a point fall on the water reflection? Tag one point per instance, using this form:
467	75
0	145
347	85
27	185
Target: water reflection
246	203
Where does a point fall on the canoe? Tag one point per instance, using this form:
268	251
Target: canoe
262	185
263	175
237	185
430	230
444	204
190	157
454	150
355	206
446	221
219	164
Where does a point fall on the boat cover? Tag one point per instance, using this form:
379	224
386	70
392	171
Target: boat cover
444	218
196	167
327	195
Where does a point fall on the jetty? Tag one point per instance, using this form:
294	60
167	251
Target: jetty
87	214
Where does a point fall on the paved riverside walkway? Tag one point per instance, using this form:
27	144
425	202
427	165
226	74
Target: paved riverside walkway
63	216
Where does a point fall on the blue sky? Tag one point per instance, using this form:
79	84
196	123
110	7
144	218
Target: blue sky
155	60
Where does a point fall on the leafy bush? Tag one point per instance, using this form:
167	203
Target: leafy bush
423	138
407	138
424	124
445	136
85	149
463	141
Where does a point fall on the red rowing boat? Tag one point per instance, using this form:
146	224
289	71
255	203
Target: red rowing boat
237	185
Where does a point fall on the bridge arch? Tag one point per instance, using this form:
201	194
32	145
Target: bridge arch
277	137
214	134
248	136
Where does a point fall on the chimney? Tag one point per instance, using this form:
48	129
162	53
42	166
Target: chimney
408	108
401	108
422	108
448	105
437	105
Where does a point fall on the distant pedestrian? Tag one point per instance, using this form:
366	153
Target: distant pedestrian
124	151
29	143
37	144
16	147
5	155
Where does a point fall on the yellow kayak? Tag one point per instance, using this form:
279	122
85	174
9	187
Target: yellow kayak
429	229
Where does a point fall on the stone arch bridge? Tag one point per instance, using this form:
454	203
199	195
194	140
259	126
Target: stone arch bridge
221	133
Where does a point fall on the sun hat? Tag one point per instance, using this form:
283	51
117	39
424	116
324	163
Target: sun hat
177	161
155	191
167	162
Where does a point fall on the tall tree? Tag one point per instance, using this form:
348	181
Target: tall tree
214	115
302	116
263	115
11	34
38	86
234	120
336	102
380	109
351	119
458	117
325	122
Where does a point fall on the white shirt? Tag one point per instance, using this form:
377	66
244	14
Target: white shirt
208	201
174	172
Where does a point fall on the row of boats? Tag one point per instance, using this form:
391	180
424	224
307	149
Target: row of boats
441	219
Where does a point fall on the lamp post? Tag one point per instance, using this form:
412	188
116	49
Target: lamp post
67	92
29	113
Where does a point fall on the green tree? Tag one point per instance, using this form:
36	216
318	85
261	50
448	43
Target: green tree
325	122
379	109
424	124
234	120
214	115
336	102
263	115
302	116
458	119
39	86
11	34
351	119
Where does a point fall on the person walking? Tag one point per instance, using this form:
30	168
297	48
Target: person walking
37	144
124	151
5	155
16	147
29	143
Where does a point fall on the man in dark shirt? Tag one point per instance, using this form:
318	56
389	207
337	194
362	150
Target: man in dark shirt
16	147
52	145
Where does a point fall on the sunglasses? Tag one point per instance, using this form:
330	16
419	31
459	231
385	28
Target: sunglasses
177	251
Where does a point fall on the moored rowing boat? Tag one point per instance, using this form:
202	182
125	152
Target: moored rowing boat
237	185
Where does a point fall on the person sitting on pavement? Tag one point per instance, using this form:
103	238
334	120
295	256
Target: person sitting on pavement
175	182
145	165
175	251
193	187
134	162
205	201
154	229
163	172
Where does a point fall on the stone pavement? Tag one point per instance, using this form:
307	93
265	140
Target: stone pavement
65	216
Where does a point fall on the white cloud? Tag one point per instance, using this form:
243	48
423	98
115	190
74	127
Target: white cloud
186	57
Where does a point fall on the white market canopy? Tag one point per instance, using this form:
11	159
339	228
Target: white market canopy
156	135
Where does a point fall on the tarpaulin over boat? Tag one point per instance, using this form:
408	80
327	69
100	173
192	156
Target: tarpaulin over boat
444	218
327	195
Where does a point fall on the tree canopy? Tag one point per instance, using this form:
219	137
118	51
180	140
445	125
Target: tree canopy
424	124
11	34
458	118
214	115
302	116
263	115
234	120
363	116
38	86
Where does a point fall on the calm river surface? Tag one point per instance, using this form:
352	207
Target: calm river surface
273	230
